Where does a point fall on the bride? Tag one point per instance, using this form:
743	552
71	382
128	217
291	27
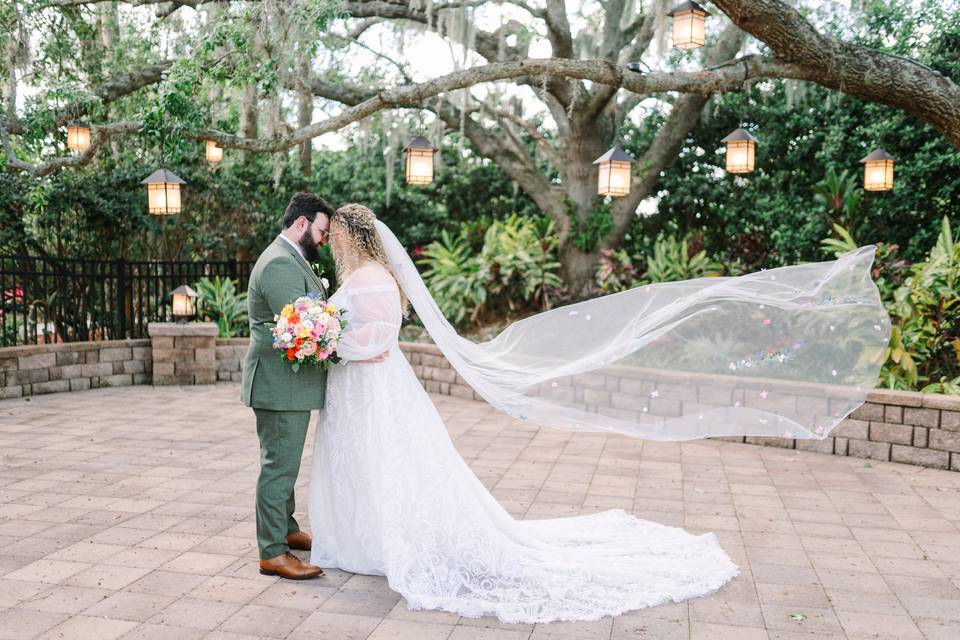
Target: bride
787	352
390	495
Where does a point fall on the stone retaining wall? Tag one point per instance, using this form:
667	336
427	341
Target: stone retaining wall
230	353
899	426
33	370
184	353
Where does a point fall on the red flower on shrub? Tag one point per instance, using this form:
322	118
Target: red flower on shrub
13	295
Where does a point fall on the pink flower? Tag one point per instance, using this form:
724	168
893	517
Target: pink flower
14	294
767	322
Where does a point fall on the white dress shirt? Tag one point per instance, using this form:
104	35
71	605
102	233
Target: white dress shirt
295	246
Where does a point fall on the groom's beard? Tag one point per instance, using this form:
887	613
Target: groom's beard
310	250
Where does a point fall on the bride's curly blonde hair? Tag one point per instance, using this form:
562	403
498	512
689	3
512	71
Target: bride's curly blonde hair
358	223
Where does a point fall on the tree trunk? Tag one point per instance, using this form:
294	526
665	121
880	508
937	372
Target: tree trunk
305	117
586	142
249	116
578	269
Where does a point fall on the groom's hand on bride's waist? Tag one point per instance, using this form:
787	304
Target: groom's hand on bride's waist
379	358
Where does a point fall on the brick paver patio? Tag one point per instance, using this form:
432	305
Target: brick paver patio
127	513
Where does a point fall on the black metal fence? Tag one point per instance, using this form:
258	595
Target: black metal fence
48	300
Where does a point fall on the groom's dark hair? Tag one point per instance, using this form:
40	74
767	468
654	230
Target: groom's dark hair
307	205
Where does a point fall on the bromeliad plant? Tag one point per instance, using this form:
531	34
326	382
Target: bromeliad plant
615	272
521	256
456	277
516	269
671	261
219	301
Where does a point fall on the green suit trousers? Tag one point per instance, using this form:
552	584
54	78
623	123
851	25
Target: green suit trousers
282	435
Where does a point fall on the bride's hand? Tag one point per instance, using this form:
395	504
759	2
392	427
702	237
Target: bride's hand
379	358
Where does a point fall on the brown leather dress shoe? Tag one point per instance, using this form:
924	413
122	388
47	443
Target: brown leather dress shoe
289	566
299	540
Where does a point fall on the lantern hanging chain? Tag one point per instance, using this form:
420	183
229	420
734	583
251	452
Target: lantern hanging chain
616	121
744	88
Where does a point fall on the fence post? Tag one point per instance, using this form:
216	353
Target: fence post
122	296
232	268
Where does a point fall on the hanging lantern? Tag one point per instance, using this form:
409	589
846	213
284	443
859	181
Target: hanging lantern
878	171
420	161
615	173
688	25
214	153
184	304
163	192
741	151
78	136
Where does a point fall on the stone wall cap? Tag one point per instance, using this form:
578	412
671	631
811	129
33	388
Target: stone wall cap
66	347
189	329
421	347
896	396
941	401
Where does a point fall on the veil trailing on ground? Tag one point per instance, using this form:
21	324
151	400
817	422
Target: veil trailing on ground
786	352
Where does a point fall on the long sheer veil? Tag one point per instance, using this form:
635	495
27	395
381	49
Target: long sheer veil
785	352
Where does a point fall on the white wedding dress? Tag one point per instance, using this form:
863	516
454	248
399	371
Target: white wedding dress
390	495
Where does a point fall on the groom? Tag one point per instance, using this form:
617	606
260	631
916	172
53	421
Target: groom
281	398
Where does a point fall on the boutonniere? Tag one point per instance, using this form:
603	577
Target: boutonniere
319	273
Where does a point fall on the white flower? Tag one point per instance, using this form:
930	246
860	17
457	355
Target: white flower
286	337
325	283
306	324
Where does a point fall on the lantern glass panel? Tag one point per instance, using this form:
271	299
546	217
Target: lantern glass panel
741	156
78	138
214	153
419	166
182	305
689	30
163	198
614	179
878	175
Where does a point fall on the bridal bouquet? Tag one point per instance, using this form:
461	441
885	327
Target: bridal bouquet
307	331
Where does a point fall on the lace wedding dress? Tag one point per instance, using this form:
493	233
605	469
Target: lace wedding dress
390	495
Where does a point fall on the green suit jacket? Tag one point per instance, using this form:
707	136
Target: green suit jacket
279	277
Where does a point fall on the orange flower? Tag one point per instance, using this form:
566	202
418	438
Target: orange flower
294	319
291	354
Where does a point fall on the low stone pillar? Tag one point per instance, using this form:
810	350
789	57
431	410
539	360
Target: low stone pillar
184	353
